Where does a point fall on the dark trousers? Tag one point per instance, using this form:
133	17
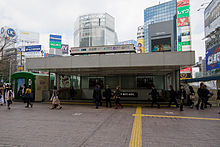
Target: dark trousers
202	104
98	103
9	102
28	100
108	101
207	103
117	102
173	100
154	101
181	104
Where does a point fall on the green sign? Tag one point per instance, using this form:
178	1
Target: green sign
186	43
183	12
56	45
179	46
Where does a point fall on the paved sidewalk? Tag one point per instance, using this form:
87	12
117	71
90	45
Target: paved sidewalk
85	126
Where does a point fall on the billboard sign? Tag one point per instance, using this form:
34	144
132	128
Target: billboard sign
213	58
31	37
161	45
183	26
140	46
183	11
55	41
65	48
33	48
185	76
186	70
181	3
212	17
183	21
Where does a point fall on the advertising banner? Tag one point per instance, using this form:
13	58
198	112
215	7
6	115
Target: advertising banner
33	48
161	45
181	3
31	37
65	48
140	46
213	58
55	41
183	21
184	76
186	70
183	11
183	26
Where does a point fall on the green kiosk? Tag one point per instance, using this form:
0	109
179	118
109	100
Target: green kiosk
39	84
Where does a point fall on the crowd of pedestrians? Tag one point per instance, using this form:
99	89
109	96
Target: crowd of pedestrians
179	97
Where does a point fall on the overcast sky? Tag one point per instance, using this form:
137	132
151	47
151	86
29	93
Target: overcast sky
58	17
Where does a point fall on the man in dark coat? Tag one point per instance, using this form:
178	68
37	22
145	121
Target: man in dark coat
201	93
173	97
181	96
154	94
97	96
108	95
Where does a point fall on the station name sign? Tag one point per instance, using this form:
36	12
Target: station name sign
102	49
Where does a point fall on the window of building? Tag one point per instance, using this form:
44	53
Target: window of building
145	82
93	81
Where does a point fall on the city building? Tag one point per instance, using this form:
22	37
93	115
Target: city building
212	36
140	40
95	30
160	27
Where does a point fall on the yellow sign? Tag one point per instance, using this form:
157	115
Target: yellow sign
184	76
20	68
140	46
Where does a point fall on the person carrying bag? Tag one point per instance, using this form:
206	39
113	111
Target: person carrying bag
28	97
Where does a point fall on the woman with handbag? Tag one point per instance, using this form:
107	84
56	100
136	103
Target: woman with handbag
192	97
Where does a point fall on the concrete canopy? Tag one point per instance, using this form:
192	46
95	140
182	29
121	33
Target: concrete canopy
149	63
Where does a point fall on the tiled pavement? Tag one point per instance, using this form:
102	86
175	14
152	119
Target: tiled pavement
85	126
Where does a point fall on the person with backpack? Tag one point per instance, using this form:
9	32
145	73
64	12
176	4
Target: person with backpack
28	96
173	97
9	95
155	96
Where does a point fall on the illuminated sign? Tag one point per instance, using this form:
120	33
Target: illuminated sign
183	12
183	21
181	3
140	46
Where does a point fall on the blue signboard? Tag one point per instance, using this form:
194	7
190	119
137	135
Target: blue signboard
213	58
11	32
55	40
33	48
55	37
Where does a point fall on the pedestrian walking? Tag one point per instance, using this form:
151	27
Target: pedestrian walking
173	97
181	96
97	96
108	95
192	97
72	92
2	96
117	97
55	99
218	96
155	96
28	96
9	95
201	94
208	94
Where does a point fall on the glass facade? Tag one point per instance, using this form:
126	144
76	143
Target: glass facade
95	30
156	14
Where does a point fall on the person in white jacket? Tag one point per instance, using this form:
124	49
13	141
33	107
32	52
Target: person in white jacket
2	96
9	95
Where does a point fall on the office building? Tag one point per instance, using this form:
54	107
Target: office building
95	30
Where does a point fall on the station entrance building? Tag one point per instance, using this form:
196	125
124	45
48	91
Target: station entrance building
135	73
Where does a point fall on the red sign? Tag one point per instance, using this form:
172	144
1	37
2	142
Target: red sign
181	3
186	70
183	21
